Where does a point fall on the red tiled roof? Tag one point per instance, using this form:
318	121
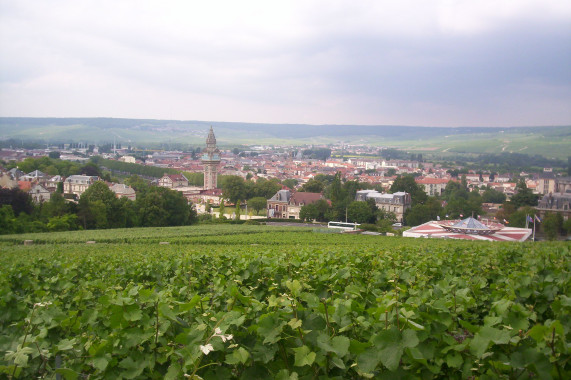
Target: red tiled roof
304	198
24	185
177	177
433	181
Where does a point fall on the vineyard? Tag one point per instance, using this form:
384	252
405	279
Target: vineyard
258	302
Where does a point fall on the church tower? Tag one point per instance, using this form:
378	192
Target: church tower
210	161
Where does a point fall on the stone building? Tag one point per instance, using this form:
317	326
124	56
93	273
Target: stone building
77	184
555	203
563	185
39	194
396	203
558	201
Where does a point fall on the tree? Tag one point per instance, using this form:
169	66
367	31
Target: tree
416	215
308	212
454	190
313	186
506	211
524	196
518	217
51	170
234	188
221	209
151	212
567	226
95	206
91	169
238	210
419	214
459	206
335	191
552	223
125	214
493	196
7	219
315	211
68	222
55	207
291	183
99	191
407	184
391	172
360	212
180	212
264	188
258	203
137	183
383	215
20	200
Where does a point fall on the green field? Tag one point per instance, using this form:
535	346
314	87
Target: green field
261	302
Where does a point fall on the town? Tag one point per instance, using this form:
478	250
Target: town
384	189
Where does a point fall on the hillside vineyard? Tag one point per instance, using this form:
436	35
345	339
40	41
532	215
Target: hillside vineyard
233	302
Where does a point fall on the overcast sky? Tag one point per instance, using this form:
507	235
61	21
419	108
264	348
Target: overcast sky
429	63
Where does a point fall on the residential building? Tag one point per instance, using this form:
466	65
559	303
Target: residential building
6	180
212	196
277	205
558	203
433	186
52	183
173	181
396	203
546	183
300	199
128	159
16	173
77	184
39	194
123	191
287	204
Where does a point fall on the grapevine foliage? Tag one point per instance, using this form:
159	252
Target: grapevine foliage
250	302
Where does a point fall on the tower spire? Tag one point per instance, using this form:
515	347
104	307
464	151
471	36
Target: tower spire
210	160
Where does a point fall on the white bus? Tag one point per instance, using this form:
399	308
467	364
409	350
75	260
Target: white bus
343	225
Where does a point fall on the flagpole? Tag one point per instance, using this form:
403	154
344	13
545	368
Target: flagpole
534	228
526	221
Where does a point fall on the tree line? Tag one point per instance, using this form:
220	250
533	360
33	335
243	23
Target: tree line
97	208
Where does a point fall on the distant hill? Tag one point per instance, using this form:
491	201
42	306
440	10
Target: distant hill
550	141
